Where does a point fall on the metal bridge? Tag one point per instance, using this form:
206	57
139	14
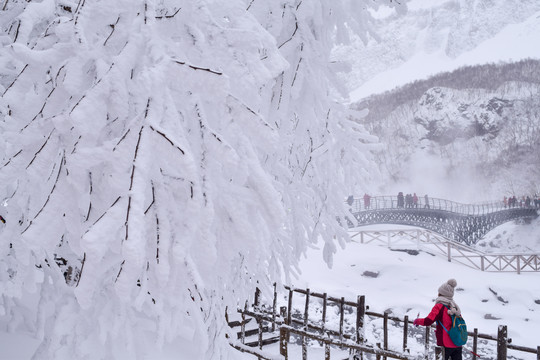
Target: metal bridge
465	223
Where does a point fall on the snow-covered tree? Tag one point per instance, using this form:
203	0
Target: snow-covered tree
162	158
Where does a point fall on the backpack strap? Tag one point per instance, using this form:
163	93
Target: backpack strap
440	322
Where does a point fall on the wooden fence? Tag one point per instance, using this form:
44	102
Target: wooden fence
280	325
453	251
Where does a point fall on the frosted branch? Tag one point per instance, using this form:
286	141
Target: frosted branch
120	271
132	177
121	139
11	158
157	239
168	140
17	31
153	199
41	148
41	110
75	145
102	215
113	26
82	268
78	9
198	68
93	86
297	67
10	85
168	16
251	111
48	197
292	36
90	196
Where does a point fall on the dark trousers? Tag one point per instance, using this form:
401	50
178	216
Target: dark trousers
452	353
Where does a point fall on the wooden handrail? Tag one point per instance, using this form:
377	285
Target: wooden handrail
308	329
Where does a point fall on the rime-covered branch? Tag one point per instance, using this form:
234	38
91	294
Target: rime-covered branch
113	26
13	82
41	148
89	196
48	197
168	140
168	16
198	68
153	199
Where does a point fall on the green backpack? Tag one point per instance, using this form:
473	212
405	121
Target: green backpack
458	331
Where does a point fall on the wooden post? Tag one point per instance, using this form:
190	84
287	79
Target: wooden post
518	257
360	312
257	297
385	330
405	332
449	251
283	314
306	319
289	310
260	323
482	263
427	342
243	329
274	308
283	342
327	351
325	300
284	334
475	343
306	310
378	356
502	342
538	353
341	315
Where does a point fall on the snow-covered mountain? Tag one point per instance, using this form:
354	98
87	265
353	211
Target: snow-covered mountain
475	126
439	35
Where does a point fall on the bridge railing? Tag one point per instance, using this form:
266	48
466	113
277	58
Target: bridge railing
397	202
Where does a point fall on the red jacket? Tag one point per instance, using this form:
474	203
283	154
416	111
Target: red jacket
440	313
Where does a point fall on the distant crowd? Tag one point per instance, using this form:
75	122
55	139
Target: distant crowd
410	201
403	201
524	201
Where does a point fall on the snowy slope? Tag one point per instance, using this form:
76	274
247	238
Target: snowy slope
407	285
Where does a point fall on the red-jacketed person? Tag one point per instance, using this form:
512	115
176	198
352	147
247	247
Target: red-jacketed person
444	307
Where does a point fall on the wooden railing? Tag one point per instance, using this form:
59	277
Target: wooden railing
427	240
272	322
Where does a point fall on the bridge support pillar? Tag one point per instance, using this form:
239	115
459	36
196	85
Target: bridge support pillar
449	246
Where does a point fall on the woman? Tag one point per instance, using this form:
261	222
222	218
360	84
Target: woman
444	307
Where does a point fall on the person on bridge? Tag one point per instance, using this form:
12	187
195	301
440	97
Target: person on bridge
367	200
444	307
